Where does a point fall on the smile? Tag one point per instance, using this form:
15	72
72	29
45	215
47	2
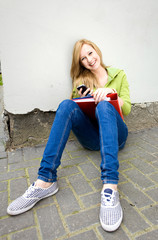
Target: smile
92	63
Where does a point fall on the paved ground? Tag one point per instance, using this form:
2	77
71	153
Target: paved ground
73	212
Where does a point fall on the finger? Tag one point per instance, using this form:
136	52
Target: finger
87	91
102	96
80	92
97	97
95	93
91	93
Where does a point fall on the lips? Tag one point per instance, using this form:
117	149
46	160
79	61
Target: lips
92	64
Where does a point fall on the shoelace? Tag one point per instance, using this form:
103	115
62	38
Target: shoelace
107	199
30	190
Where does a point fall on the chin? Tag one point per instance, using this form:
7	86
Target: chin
95	67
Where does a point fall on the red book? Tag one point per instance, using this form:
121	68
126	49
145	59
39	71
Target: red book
87	104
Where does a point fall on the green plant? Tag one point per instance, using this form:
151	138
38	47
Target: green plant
1	82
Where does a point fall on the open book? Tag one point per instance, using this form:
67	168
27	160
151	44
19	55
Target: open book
87	104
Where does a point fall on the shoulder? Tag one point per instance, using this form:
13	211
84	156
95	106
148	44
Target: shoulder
115	74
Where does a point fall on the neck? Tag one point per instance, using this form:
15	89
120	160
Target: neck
101	75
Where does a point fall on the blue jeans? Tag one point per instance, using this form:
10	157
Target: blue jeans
108	134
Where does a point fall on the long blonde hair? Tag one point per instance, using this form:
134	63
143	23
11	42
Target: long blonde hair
79	73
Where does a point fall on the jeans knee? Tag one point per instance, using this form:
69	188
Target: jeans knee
66	105
104	106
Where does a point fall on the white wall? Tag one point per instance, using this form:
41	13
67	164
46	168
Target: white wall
37	37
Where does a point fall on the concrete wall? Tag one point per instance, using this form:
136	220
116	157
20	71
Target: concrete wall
37	37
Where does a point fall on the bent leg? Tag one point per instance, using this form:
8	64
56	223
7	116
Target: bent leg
68	116
113	133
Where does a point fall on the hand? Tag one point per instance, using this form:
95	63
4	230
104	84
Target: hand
84	94
100	94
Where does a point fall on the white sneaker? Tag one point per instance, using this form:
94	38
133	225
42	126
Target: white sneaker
30	198
111	213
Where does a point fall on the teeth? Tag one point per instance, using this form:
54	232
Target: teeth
92	64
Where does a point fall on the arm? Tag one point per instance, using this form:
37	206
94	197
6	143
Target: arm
124	96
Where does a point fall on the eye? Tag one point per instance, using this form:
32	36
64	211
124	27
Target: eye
89	53
82	58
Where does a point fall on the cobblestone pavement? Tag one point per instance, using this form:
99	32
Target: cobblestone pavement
73	212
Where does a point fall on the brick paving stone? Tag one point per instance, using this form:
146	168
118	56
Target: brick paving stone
117	235
79	184
154	177
62	183
153	193
152	214
10	175
150	139
67	201
3	203
143	166
137	160
3	154
15	156
3	165
17	187
97	183
46	201
2	148
124	165
3	238
89	235
148	236
130	148
155	164
26	164
145	155
29	234
72	162
90	170
33	152
50	223
156	154
3	186
73	146
83	219
132	139
121	178
147	147
125	155
95	157
83	152
33	173
65	155
134	195
91	199
140	179
132	220
67	171
16	223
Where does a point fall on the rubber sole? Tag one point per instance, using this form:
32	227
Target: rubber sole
31	206
112	228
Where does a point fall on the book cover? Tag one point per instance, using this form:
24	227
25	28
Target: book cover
87	104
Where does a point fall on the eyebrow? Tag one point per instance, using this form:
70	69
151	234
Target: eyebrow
87	52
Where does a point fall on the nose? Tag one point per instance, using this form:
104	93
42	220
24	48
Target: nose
89	58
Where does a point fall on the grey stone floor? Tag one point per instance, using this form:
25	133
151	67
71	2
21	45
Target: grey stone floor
73	212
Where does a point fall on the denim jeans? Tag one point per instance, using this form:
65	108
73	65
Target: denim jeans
108	135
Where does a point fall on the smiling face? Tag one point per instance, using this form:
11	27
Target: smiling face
89	57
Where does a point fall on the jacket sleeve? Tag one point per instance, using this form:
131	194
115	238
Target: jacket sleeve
125	95
75	93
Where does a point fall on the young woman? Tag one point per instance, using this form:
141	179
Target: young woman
108	134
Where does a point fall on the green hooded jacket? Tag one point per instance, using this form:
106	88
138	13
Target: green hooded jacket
116	79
